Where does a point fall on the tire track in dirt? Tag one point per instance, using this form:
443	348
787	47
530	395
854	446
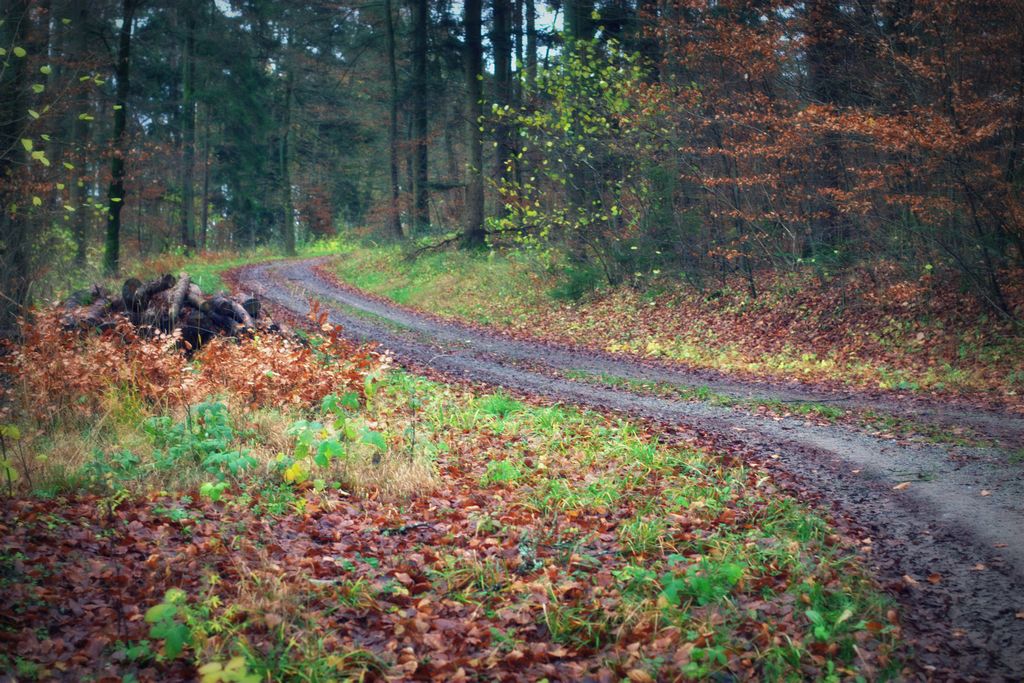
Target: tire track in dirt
959	519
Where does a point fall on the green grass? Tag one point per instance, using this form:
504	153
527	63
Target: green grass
499	405
704	394
483	288
208	275
687	393
501	472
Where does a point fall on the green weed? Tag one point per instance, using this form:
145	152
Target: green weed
705	582
577	626
642	535
499	405
501	472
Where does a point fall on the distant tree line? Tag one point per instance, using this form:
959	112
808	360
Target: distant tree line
712	140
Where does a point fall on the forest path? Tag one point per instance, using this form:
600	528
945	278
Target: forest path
944	525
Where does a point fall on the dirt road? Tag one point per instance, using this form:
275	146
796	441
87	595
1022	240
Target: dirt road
943	526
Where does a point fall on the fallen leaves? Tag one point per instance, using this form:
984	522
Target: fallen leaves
534	580
639	676
334	570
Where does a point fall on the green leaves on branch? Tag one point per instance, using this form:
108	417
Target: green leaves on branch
7	471
172	621
214	492
581	128
375	439
37	154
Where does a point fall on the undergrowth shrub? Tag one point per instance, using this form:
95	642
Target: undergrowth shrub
577	281
114	407
205	440
270	370
54	373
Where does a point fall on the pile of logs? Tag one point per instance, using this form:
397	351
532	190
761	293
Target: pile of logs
165	305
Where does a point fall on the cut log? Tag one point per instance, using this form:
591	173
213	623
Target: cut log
85	297
218	304
144	292
194	298
177	298
167	304
228	308
197	328
129	289
155	315
241	315
224	323
251	306
94	316
115	307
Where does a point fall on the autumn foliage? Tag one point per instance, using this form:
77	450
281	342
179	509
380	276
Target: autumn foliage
828	132
743	138
56	372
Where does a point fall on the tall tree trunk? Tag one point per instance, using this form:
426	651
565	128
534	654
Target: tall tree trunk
474	235
410	170
80	135
501	39
14	239
579	21
51	42
204	224
451	135
517	32
827	69
188	134
116	193
517	81
421	204
394	219
288	219
138	227
531	41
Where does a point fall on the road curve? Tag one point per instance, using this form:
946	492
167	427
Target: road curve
960	518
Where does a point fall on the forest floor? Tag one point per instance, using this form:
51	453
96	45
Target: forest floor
938	496
505	508
283	507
